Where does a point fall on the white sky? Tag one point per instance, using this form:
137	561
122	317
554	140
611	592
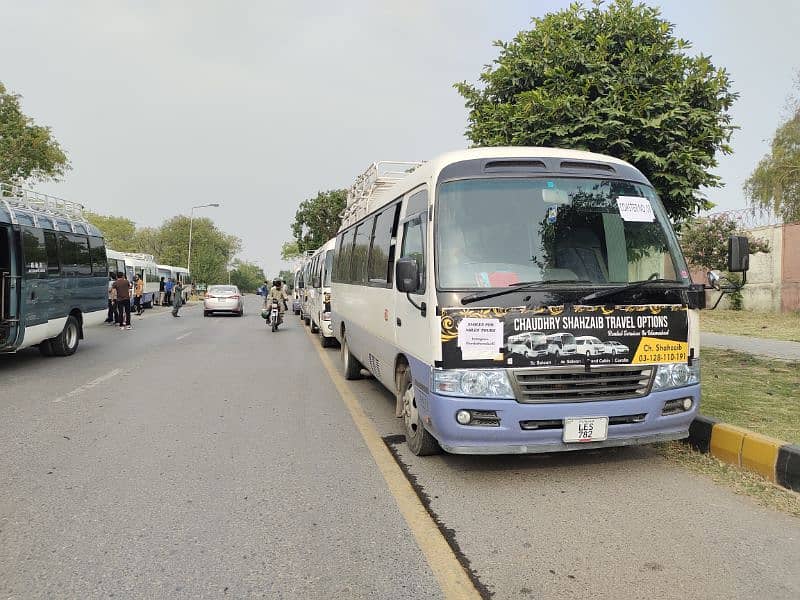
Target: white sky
258	105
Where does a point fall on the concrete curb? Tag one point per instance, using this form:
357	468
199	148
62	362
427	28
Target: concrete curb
773	459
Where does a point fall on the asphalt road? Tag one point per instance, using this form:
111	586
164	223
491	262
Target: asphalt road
211	458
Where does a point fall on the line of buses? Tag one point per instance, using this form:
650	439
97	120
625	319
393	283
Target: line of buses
440	267
54	272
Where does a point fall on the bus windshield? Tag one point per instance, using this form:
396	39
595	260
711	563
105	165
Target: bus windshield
500	231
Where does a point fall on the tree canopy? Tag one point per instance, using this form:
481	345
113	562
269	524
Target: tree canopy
247	276
212	249
118	232
27	150
317	219
774	185
613	80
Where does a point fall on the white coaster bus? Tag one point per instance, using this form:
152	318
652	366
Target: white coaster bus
53	273
441	266
319	294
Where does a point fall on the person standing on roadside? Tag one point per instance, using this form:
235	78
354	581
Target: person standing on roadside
177	301
168	285
138	290
122	287
112	300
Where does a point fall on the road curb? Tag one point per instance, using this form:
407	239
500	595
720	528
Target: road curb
773	459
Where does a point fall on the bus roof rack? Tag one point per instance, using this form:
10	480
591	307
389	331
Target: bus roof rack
18	197
379	176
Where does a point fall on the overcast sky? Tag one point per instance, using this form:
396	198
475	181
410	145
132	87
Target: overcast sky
164	105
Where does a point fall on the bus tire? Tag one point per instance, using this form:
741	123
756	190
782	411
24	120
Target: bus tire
326	342
419	440
46	348
350	364
307	321
66	343
314	328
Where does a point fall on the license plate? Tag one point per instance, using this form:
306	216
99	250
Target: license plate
585	429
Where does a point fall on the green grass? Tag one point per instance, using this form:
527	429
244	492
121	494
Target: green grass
776	326
753	392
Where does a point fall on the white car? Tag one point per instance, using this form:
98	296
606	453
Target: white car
223	298
590	345
615	348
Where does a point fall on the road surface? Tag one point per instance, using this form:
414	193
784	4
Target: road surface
210	458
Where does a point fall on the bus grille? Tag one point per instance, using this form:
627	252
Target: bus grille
577	385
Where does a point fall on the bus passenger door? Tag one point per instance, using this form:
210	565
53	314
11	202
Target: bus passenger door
10	287
412	328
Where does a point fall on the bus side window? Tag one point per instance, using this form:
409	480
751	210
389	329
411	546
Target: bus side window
379	266
97	251
51	248
414	246
33	252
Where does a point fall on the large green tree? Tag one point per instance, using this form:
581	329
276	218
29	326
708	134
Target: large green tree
774	185
247	276
119	232
317	219
27	150
611	79
212	249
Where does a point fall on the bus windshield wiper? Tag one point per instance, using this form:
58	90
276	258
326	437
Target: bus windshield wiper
624	288
519	286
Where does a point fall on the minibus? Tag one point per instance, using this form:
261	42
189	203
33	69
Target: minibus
439	264
53	273
319	303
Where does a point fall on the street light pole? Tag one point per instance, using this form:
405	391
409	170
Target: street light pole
191	222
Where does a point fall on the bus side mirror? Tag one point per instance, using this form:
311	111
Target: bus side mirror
738	254
407	275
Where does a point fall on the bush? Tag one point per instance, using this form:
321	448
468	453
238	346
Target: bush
705	241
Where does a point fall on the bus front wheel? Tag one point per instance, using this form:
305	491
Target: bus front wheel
419	440
67	341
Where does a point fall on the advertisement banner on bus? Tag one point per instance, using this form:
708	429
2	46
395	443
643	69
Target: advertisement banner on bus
564	335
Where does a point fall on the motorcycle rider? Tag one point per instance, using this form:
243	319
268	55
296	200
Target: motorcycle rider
277	292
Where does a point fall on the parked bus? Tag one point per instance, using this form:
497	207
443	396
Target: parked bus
53	273
319	303
438	264
297	290
305	296
143	265
177	274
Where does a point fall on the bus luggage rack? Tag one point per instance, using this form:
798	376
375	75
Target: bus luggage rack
379	176
19	197
577	385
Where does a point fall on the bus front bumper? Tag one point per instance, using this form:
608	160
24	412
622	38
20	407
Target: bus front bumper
511	438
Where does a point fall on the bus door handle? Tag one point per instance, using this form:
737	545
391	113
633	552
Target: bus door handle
399	322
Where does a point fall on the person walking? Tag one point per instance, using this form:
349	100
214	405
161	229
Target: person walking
168	285
138	291
122	287
161	292
177	301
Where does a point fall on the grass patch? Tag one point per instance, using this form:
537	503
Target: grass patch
753	392
740	481
775	326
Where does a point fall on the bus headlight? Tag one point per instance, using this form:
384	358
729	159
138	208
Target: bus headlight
675	375
472	383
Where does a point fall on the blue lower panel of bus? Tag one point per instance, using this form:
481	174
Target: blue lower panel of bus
530	428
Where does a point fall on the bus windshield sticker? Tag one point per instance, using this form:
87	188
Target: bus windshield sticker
634	208
480	338
564	336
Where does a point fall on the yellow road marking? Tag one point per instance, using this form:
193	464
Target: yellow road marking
453	579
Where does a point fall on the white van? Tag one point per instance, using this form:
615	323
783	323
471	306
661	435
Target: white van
319	304
590	345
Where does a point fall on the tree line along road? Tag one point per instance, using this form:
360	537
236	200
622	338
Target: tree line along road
210	457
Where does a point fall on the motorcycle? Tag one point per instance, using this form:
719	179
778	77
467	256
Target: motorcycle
275	318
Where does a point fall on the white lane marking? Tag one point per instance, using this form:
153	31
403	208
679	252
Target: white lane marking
89	385
180	337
